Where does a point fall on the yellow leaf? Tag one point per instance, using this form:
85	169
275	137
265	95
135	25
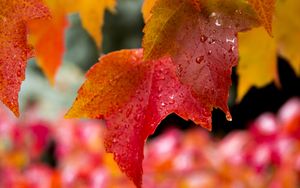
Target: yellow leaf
146	9
288	31
92	16
264	10
258	51
257	66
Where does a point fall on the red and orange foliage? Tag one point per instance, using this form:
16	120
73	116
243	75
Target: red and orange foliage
189	50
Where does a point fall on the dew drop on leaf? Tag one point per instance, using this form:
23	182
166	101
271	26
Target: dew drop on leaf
137	117
211	41
140	98
231	49
172	100
19	73
199	59
203	38
213	14
238	11
228	117
128	112
218	23
161	77
228	40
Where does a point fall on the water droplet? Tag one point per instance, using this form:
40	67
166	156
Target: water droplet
159	89
18	73
213	14
211	41
134	59
179	69
203	38
161	77
137	117
218	22
199	59
172	100
128	112
231	49
230	40
228	117
238	11
10	81
209	52
140	98
163	104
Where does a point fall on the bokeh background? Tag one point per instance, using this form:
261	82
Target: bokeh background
53	153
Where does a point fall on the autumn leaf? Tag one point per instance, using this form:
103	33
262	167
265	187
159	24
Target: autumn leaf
257	65
146	9
149	4
170	20
14	15
47	36
203	45
134	96
287	31
264	10
258	60
92	15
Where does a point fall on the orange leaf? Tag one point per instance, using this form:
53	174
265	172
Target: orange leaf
133	97
264	10
146	9
14	15
47	36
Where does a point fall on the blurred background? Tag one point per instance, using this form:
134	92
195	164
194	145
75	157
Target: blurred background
41	143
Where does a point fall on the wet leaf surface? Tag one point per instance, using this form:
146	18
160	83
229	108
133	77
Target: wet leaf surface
134	96
14	15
